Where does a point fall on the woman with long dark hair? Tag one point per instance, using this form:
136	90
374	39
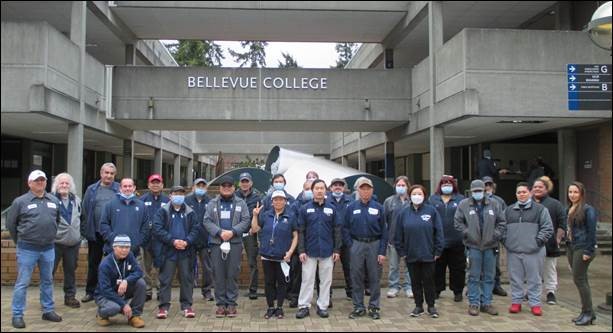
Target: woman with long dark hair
581	247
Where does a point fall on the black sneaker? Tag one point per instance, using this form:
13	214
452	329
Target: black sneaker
457	297
498	290
322	313
52	316
374	313
270	313
253	295
279	313
18	322
433	312
418	311
367	292
357	313
293	303
551	299
303	312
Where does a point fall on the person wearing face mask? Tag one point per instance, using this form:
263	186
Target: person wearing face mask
295	273
490	192
176	227
250	239
197	201
446	201
391	208
125	214
310	177
278	184
153	201
540	193
529	227
419	239
480	222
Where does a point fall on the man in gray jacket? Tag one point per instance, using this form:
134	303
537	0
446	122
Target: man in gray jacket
226	218
529	228
482	223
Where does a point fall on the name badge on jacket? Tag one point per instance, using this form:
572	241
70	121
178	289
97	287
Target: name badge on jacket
328	211
51	205
357	211
373	211
225	214
32	206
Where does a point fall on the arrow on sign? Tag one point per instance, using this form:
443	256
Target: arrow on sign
572	86
571	69
572	78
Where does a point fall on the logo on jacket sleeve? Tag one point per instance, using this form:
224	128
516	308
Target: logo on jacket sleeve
426	217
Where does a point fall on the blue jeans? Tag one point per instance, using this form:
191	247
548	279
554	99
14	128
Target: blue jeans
481	276
394	271
26	260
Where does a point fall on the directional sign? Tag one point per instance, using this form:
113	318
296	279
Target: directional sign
589	87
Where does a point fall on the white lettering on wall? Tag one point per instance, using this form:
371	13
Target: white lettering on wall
268	82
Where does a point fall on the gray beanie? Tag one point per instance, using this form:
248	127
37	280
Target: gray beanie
122	240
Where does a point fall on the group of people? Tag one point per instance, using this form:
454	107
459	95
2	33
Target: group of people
138	244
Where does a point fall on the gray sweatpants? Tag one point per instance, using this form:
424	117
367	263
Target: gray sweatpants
137	292
185	266
225	274
526	267
361	255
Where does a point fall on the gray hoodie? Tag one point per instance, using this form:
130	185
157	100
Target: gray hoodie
528	227
240	220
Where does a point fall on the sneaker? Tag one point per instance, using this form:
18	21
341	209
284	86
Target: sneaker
322	313
189	313
220	312
458	297
52	316
303	312
87	298
253	295
279	313
473	310
418	311
357	313
18	322
551	299
433	312
101	321
537	310
231	312
489	309
162	314
270	313
367	292
208	297
72	302
293	303
136	322
374	313
498	290
392	292
409	293
515	308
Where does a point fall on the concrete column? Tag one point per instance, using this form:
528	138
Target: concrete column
176	178
190	172
157	161
74	156
390	166
130	54
344	161
567	160
362	160
128	158
437	135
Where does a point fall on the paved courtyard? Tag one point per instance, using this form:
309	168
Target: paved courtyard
394	313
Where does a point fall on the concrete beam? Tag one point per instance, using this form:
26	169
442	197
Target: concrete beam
417	11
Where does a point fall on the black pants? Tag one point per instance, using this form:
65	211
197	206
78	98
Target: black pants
498	273
295	277
580	277
94	257
250	243
69	256
422	282
347	269
455	259
274	283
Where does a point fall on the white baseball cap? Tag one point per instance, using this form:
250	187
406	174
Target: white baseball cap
34	175
277	194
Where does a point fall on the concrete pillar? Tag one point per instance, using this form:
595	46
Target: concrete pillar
157	161
128	158
437	134
390	167
344	161
362	160
74	156
130	54
567	160
190	172
176	178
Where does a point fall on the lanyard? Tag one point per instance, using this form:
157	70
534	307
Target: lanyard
275	222
117	266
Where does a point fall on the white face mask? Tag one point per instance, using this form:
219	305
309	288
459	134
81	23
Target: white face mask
417	199
225	249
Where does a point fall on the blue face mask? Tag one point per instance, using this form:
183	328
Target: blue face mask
402	190
278	186
524	202
126	196
478	196
178	199
200	192
337	194
308	195
447	189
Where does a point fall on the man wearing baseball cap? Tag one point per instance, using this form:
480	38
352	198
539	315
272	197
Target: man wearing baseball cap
153	201
32	222
490	190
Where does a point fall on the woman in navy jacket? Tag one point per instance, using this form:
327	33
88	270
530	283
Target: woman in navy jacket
419	238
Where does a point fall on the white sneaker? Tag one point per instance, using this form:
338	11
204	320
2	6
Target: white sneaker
409	293
392	292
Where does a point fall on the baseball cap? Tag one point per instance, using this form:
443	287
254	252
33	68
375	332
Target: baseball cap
200	180
487	179
155	176
177	188
363	181
278	194
122	240
34	175
477	184
338	180
226	180
245	175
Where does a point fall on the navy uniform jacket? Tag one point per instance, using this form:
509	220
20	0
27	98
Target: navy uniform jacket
162	232
121	216
366	220
199	208
319	230
341	209
108	276
276	240
419	234
267	202
152	204
453	237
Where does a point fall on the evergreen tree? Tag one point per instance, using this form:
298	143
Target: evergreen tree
289	61
254	56
345	53
202	53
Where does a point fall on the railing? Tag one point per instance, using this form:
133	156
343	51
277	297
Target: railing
4	214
